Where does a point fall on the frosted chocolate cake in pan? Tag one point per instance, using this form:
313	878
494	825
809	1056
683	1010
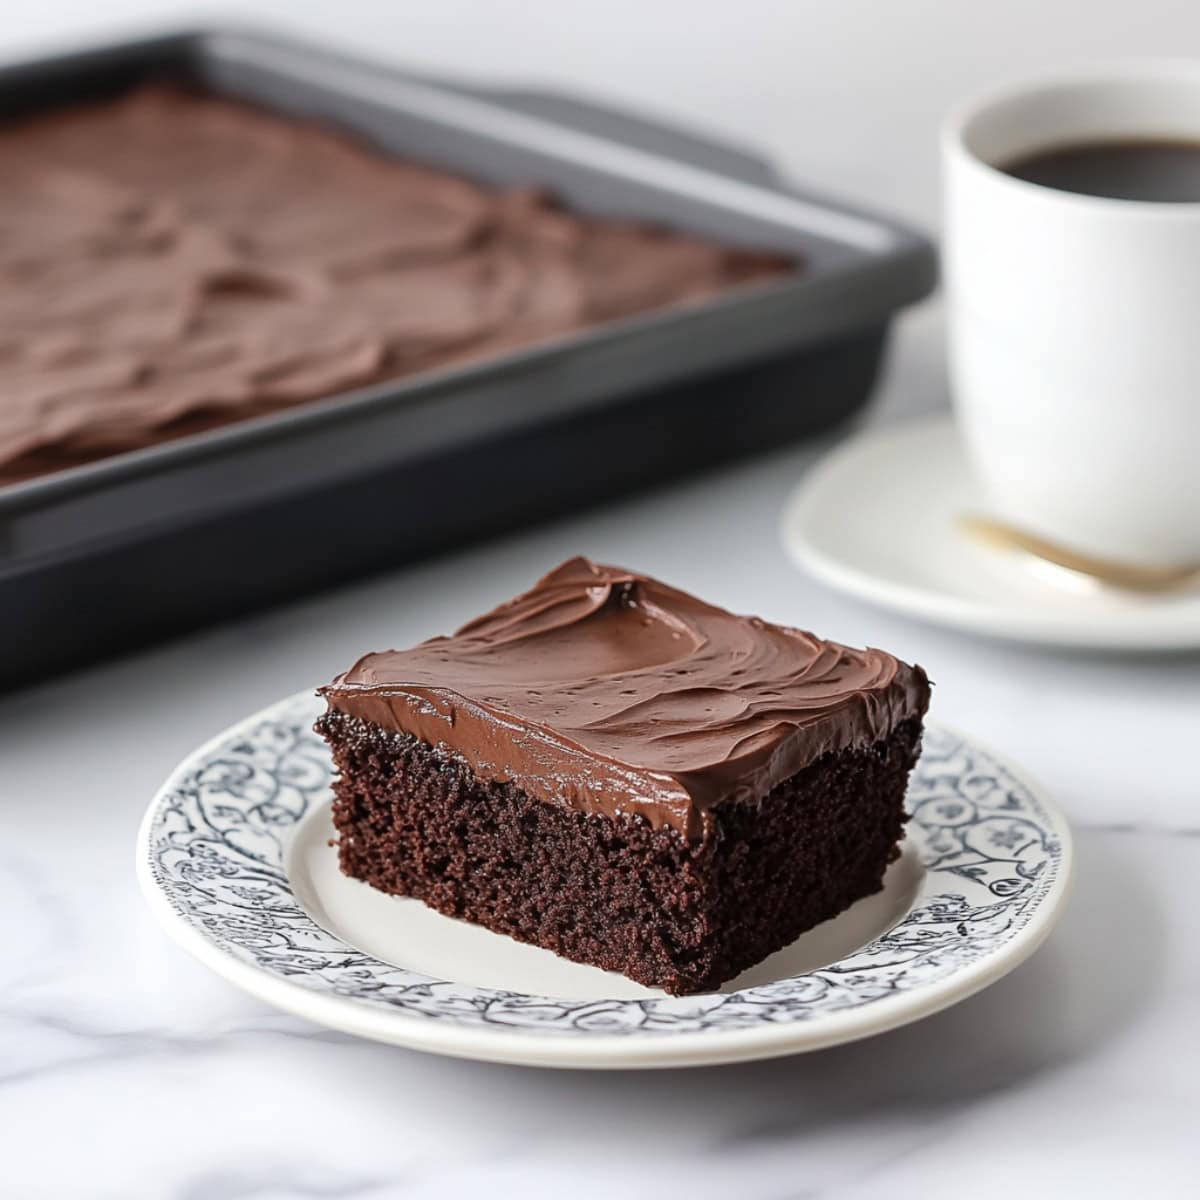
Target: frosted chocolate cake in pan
171	261
619	772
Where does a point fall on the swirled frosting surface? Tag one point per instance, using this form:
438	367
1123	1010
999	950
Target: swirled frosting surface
614	693
171	261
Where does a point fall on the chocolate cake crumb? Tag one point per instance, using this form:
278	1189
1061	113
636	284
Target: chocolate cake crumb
613	891
616	771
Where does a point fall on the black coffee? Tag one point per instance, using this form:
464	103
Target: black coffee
1164	171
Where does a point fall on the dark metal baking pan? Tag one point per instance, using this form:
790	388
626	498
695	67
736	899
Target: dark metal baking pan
134	547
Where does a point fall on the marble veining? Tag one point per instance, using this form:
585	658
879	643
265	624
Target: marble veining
129	1072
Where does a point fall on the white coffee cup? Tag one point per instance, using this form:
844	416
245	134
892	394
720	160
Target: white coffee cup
1075	319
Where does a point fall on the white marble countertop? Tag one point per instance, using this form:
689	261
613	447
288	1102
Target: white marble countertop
128	1071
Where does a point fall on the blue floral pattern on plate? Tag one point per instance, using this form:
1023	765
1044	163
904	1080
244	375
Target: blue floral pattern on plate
218	833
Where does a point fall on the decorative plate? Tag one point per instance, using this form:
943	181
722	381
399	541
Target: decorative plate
234	858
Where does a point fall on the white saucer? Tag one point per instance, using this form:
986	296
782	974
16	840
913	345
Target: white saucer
234	858
877	518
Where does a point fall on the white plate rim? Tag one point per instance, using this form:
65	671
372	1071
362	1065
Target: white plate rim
1128	629
650	1050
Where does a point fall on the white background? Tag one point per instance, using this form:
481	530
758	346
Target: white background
126	1071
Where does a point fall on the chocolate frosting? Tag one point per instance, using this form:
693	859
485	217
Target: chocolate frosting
170	262
613	693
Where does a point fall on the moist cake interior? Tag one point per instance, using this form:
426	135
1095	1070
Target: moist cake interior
619	772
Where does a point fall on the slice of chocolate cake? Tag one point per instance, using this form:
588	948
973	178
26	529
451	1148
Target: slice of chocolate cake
625	775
